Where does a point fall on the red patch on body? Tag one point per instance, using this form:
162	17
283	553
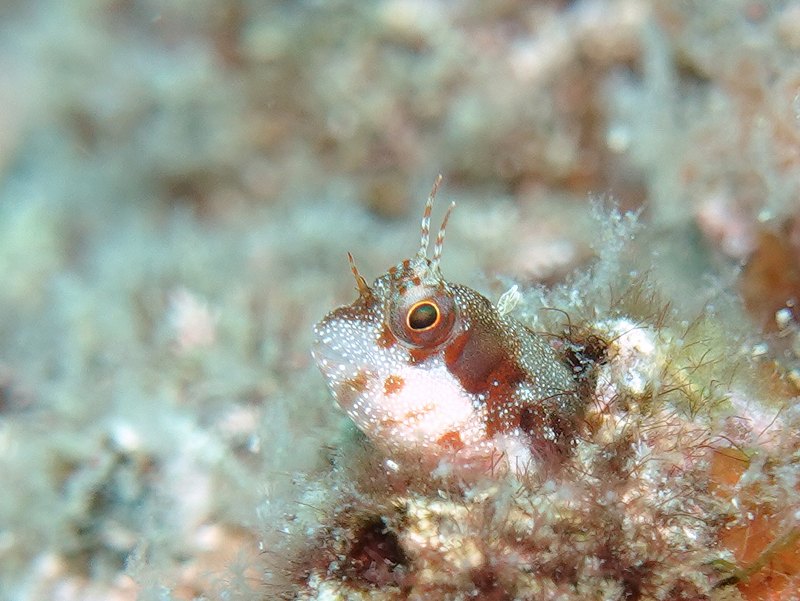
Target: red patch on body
478	359
453	351
350	389
451	440
477	356
393	384
418	355
358	382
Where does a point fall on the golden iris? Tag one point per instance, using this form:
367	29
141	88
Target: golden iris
422	316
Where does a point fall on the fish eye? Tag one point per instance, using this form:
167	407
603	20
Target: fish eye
423	316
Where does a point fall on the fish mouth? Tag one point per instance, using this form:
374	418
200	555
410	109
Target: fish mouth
340	348
328	359
329	345
347	379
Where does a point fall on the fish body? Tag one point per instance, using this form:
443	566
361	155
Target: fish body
427	367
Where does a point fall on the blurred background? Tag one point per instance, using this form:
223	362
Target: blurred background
180	182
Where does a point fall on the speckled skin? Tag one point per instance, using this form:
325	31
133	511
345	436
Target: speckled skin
471	382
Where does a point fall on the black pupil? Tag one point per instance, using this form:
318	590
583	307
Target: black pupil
423	316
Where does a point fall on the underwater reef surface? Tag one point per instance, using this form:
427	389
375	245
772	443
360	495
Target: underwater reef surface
180	183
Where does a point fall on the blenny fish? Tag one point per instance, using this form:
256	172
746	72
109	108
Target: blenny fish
430	368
